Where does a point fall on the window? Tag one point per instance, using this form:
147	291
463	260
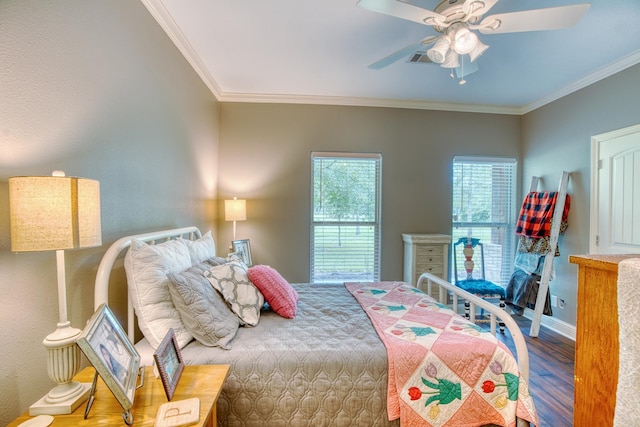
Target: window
484	207
345	217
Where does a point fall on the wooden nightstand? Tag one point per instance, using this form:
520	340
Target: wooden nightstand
201	381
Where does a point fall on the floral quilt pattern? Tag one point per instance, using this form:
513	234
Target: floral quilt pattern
443	369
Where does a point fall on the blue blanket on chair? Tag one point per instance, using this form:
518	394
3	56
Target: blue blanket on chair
482	288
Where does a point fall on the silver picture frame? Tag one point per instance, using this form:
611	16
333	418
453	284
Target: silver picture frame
242	249
115	359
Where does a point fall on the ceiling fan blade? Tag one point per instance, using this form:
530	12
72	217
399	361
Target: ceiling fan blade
404	10
478	8
398	55
552	18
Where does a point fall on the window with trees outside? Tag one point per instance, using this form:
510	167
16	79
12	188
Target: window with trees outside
484	192
345	217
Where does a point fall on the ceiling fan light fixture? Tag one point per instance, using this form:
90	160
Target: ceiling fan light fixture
438	52
478	50
464	41
451	61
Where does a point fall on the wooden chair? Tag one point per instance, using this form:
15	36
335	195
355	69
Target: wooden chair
468	252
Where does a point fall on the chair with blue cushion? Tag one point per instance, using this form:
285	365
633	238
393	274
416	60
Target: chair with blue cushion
469	274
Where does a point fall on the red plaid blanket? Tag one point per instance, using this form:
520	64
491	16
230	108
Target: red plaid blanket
536	213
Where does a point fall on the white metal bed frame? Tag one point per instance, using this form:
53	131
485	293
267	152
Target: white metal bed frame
428	280
425	281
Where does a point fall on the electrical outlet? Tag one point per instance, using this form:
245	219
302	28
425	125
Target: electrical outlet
561	303
554	300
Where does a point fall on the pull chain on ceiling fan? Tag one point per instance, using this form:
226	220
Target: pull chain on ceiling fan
457	20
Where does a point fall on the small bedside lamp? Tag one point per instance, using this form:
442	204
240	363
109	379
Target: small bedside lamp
235	210
57	213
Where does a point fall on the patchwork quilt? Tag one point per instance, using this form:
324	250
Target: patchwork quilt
443	369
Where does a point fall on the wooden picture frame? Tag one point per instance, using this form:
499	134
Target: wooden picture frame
169	363
242	248
115	359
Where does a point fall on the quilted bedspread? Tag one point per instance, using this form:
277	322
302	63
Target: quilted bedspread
443	369
326	367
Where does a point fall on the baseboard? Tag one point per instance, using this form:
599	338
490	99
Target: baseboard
563	328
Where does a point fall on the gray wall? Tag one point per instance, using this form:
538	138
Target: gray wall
98	90
265	158
557	137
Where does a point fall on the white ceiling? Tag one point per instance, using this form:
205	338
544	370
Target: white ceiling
303	51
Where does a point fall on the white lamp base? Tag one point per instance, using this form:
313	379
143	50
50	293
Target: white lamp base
65	403
63	363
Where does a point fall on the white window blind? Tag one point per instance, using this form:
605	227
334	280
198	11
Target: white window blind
484	191
345	223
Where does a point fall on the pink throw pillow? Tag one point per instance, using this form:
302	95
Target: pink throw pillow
280	295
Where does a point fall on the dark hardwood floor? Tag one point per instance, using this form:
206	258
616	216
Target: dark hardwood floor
551	357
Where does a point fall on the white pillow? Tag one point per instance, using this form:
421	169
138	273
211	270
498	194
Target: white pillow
147	267
202	249
232	281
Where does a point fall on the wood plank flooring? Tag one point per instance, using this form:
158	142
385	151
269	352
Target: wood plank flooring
551	361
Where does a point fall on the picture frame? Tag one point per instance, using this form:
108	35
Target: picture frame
242	248
115	359
169	363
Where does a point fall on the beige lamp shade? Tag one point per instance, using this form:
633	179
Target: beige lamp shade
235	210
54	212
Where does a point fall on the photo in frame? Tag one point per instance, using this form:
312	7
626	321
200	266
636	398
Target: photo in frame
169	363
242	249
109	350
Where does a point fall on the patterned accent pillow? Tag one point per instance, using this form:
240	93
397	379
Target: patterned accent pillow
216	260
232	281
280	295
202	310
147	267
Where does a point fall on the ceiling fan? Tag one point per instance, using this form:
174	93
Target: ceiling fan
457	20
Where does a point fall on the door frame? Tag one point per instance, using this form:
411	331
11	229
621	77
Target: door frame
596	143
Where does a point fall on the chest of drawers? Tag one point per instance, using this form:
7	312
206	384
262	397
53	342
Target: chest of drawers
425	253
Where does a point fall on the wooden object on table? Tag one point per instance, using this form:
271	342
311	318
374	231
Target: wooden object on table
426	253
597	346
178	413
201	381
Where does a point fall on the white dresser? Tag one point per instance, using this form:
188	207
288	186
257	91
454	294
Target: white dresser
426	253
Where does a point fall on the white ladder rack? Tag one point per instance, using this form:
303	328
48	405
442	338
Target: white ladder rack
543	287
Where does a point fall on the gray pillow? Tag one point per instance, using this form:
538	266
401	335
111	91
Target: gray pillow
202	310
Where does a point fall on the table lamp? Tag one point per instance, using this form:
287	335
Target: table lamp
235	210
56	213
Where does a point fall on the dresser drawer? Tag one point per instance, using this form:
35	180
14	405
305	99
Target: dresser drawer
425	250
422	259
436	269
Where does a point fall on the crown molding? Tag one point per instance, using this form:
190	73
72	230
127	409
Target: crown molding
166	22
367	102
601	74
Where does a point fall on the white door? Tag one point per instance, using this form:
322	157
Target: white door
615	188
